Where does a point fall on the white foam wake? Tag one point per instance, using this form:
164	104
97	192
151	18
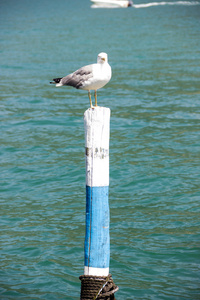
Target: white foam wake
166	3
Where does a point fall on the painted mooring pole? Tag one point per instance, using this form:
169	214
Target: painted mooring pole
96	280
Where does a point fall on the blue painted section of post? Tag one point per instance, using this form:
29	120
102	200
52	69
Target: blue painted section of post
97	239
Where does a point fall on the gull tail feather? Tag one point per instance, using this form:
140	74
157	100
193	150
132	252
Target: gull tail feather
57	81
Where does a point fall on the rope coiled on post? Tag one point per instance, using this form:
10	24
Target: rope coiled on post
97	287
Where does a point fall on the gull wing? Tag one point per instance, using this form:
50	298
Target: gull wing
78	78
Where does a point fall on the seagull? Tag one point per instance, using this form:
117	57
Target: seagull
90	77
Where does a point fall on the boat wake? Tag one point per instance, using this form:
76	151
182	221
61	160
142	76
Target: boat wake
166	3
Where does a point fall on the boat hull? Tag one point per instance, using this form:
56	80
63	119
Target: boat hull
111	3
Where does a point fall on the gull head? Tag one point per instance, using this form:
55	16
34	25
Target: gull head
102	58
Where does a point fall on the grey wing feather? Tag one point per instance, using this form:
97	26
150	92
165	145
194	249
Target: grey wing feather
78	78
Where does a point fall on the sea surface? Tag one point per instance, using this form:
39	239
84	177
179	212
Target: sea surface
154	97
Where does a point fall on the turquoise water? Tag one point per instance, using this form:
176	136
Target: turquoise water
154	97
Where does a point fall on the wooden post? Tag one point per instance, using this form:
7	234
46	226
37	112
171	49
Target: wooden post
97	239
96	280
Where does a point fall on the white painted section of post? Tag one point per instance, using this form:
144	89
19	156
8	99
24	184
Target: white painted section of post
96	271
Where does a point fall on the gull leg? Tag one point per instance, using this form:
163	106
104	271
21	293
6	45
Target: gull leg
95	95
89	95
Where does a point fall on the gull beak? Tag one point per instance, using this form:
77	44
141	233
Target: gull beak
103	58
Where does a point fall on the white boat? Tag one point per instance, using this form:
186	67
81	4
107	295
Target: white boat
111	3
